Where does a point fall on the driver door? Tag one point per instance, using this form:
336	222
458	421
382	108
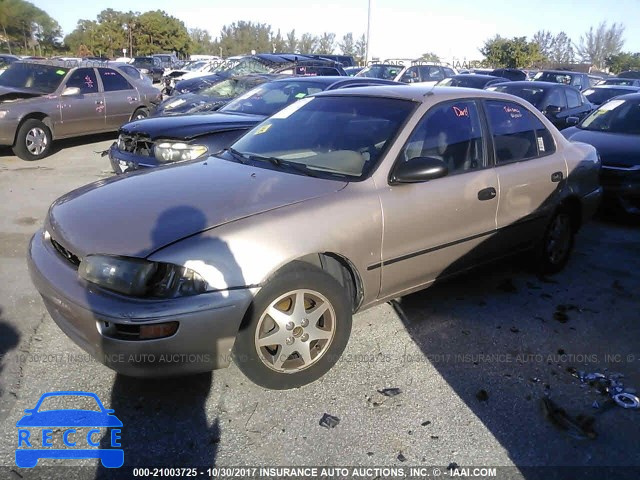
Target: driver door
85	112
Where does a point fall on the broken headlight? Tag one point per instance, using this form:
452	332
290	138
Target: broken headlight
166	152
140	278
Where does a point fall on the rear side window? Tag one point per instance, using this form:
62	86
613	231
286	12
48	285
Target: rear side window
517	133
84	79
573	98
112	81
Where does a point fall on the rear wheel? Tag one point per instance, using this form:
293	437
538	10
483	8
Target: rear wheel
139	114
554	250
33	140
297	328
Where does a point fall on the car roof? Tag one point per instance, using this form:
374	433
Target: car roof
631	88
629	96
543	85
72	63
478	75
418	93
562	72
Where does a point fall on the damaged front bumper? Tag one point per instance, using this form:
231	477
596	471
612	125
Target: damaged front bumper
101	322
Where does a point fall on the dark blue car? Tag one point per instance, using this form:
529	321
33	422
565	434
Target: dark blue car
30	450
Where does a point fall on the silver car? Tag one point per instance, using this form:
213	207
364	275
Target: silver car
341	201
42	101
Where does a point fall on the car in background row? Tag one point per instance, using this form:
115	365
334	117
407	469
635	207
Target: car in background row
416	185
42	101
630	74
614	130
384	71
601	93
629	82
6	60
471	80
168	61
424	74
557	102
352	71
512	74
212	98
149	66
291	64
344	60
161	140
565	77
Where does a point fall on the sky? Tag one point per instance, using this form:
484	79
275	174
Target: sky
399	28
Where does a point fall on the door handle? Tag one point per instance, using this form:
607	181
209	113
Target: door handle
487	193
556	177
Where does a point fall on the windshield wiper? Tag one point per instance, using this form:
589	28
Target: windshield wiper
240	157
278	162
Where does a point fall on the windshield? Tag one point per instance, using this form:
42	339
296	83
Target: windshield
615	116
231	87
245	67
33	76
601	95
553	77
386	72
268	98
472	81
143	62
337	136
194	66
619	81
533	95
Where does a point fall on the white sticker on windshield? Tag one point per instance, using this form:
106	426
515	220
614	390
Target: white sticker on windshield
541	144
611	105
291	109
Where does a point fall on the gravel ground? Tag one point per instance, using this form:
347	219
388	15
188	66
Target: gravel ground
472	359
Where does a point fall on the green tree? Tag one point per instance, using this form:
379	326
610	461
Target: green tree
292	41
430	57
201	42
596	46
160	32
278	44
308	43
544	39
25	27
510	53
562	49
360	50
347	46
624	61
241	37
326	43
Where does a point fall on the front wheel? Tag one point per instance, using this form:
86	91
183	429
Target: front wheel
554	250
296	329
33	140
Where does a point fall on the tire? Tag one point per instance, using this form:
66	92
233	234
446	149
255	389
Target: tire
316	343
554	250
33	140
139	114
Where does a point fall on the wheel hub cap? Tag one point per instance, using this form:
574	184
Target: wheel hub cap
36	141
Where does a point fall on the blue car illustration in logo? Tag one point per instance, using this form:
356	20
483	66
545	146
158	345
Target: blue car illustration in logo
32	448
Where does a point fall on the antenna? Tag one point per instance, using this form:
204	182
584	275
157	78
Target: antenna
430	92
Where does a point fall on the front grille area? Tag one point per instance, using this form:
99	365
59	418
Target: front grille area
135	143
69	256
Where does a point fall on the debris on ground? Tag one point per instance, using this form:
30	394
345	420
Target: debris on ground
401	457
329	421
611	385
580	427
482	395
390	392
425	423
453	466
514	330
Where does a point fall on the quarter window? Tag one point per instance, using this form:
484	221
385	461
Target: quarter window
84	79
517	133
573	98
451	132
112	81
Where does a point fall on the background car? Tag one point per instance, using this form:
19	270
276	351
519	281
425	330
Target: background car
167	60
6	60
629	82
149	66
336	203
213	97
424	74
630	74
512	74
556	101
471	80
599	94
352	71
95	100
614	129
161	140
576	79
383	71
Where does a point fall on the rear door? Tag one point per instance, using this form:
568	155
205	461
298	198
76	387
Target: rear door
120	98
83	113
530	172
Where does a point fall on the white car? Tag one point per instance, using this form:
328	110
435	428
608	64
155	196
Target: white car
424	73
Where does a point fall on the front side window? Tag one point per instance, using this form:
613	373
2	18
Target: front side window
573	98
451	132
517	133
335	136
112	81
556	98
84	79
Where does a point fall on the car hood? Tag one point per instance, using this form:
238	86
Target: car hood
186	127
137	214
616	149
8	94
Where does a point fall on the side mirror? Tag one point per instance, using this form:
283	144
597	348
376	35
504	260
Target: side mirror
571	121
419	169
552	110
70	91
